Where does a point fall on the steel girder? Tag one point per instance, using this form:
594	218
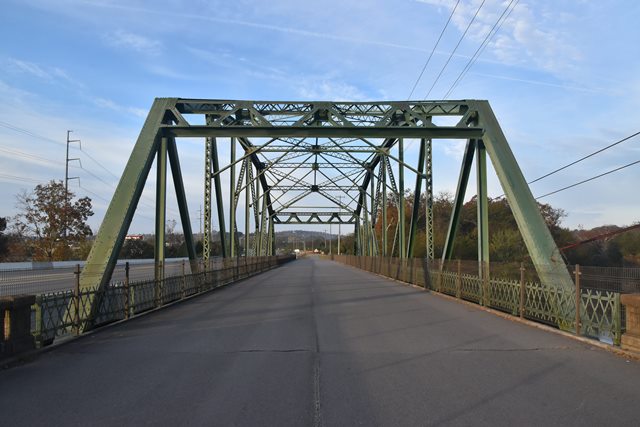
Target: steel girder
346	154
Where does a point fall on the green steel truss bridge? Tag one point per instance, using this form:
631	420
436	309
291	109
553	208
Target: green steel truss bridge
319	163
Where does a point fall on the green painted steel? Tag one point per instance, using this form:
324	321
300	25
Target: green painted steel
463	180
110	238
601	314
176	173
417	190
429	199
206	238
542	249
284	172
401	202
482	210
215	167
232	207
161	208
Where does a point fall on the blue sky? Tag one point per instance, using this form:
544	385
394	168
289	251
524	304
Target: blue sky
562	76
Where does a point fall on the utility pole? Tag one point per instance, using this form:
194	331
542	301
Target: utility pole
67	178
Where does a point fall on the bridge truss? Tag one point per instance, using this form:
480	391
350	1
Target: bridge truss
318	163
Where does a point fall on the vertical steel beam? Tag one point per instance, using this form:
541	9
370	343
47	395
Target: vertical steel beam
356	240
206	238
413	228
482	208
463	179
109	240
272	238
364	238
429	199
181	196
247	203
161	208
540	244
374	218
401	222
257	238
219	202
383	175
263	225
232	196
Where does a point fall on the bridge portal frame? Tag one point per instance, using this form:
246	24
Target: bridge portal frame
290	123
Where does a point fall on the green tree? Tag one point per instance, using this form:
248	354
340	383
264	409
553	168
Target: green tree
51	222
136	249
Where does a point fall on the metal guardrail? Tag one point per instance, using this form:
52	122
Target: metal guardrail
600	315
20	281
66	313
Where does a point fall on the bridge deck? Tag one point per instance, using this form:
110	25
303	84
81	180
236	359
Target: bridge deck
315	342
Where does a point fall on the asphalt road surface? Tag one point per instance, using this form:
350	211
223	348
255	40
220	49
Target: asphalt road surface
317	343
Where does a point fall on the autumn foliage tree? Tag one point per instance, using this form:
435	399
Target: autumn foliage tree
51	222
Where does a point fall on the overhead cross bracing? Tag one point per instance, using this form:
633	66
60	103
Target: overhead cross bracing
320	163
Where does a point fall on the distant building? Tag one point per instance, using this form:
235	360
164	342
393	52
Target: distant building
134	237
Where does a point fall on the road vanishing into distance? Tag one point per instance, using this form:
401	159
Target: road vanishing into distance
318	343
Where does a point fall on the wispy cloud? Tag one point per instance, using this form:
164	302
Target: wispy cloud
329	90
50	74
543	83
134	42
111	105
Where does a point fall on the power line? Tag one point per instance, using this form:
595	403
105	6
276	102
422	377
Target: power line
31	156
620	141
589	179
20	178
433	50
84	151
586	157
28	133
499	22
108	201
454	49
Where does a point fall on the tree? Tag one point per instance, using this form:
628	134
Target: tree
51	221
4	241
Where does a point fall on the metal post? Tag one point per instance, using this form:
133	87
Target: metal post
339	221
257	238
459	280
232	208
374	218
76	298
483	212
429	201
161	212
219	205
247	203
522	290
183	284
413	227
127	302
578	299
401	241
66	180
384	205
206	238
